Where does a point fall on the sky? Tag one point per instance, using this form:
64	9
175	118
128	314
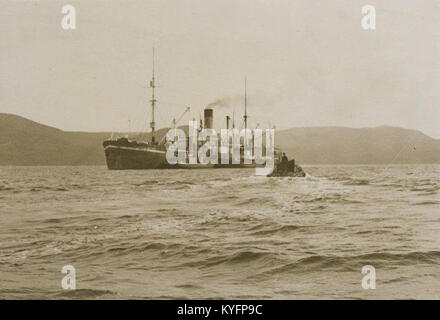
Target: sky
307	63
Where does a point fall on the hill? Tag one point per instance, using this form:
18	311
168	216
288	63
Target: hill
25	142
340	145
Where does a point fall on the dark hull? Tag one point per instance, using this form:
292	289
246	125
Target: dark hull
124	154
120	158
124	158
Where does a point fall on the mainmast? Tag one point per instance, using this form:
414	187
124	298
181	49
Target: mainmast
245	117
153	104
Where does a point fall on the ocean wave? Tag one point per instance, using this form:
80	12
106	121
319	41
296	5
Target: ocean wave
83	294
46	188
277	230
357	182
355	262
247	256
256	258
6	188
427	202
146	183
428	190
255	201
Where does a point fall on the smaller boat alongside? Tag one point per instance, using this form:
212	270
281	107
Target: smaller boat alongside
285	168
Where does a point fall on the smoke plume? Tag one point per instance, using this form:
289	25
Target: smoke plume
227	102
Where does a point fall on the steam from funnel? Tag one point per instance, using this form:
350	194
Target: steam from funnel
226	102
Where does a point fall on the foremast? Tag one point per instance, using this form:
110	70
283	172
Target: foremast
153	105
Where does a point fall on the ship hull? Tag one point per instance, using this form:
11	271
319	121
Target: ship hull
121	158
131	158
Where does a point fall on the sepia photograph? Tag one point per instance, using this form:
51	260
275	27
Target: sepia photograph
222	150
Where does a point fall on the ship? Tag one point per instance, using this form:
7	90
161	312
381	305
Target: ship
123	153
